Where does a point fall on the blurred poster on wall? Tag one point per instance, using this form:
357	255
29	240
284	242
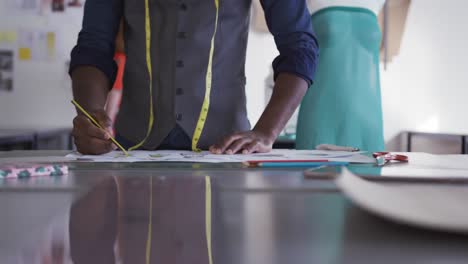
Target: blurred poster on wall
258	22
7	37
58	5
6	70
37	45
23	7
75	3
396	24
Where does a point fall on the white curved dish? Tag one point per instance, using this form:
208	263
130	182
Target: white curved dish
435	206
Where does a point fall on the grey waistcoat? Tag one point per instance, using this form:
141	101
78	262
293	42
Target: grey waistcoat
181	32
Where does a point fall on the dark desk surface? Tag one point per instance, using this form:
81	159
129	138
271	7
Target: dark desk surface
259	216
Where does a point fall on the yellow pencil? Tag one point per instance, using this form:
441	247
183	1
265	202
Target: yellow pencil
98	125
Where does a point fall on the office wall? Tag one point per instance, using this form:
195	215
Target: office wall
423	88
42	93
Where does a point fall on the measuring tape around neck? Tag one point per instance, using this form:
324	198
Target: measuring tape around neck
208	82
150	74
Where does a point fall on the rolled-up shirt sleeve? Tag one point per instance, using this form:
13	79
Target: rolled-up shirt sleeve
290	23
96	40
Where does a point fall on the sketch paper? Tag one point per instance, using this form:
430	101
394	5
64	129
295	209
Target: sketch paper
207	157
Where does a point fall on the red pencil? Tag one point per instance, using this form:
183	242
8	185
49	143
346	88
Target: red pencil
254	162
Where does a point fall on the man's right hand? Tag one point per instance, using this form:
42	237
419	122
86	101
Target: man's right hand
89	139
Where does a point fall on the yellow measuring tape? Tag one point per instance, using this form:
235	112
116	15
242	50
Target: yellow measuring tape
208	217
207	220
208	82
150	73
209	79
150	225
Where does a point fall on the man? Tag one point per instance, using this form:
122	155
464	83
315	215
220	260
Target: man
184	76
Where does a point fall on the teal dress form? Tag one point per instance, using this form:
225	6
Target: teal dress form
343	107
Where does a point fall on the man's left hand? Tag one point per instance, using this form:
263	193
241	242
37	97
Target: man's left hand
245	143
287	95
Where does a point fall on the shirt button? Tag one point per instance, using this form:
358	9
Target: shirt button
181	35
183	7
179	91
179	117
180	63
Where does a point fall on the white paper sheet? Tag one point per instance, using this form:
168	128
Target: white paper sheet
434	206
207	157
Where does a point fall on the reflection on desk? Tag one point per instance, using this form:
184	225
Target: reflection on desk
101	211
109	223
117	212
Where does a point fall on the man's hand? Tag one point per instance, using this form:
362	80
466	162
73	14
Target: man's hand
287	94
89	139
90	87
244	142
